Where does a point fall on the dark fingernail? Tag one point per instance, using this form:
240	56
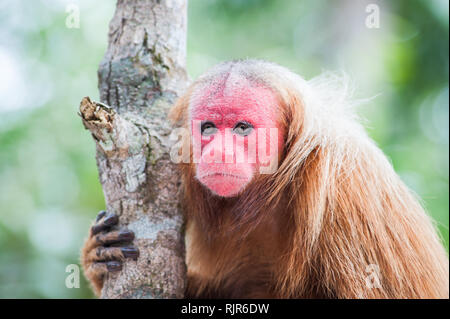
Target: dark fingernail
98	251
130	252
126	235
100	215
112	219
96	229
113	266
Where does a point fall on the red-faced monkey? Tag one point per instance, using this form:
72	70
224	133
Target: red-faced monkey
300	204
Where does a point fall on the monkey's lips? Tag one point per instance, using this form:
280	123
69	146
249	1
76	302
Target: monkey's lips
224	184
220	174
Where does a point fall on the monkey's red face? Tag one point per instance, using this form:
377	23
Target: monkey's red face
236	135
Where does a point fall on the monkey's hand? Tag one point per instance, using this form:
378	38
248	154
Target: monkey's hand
106	248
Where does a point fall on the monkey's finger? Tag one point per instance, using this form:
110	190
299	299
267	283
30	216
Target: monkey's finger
99	269
109	238
113	253
114	237
100	215
104	221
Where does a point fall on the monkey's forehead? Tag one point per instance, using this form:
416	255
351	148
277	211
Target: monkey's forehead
232	95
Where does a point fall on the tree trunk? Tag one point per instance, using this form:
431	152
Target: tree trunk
140	76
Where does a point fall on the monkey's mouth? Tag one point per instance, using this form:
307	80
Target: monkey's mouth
221	174
223	184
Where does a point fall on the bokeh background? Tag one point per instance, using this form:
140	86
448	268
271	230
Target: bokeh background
49	188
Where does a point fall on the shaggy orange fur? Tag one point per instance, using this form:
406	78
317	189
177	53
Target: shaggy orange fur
334	211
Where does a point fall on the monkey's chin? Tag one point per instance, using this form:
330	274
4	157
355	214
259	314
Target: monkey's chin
224	185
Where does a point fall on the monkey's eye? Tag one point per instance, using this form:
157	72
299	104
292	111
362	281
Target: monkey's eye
208	128
243	128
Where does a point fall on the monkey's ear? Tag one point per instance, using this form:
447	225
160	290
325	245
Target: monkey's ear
178	114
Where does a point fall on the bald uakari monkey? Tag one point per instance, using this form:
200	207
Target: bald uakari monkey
286	196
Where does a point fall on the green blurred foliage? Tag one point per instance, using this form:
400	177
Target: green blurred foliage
49	188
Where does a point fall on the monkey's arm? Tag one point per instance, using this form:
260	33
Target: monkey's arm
103	251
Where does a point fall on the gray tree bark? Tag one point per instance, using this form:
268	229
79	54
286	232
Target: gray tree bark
140	76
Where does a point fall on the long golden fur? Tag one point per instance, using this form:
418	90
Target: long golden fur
333	210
